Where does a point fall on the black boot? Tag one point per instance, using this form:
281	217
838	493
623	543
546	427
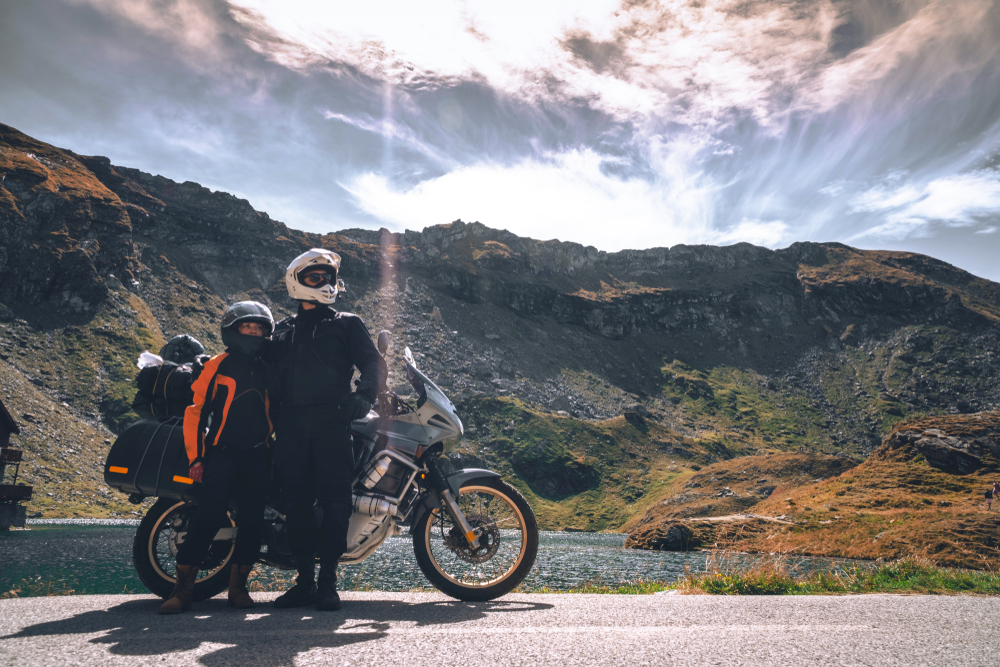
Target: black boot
303	592
332	545
327	598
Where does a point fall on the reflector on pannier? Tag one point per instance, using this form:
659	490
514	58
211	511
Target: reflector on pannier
149	459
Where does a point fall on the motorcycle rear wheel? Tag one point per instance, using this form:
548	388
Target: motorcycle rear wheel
154	551
508	542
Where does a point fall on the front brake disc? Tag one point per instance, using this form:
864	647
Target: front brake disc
489	540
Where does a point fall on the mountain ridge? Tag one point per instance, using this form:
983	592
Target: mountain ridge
616	372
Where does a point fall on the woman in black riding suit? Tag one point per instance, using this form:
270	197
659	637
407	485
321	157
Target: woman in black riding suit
226	435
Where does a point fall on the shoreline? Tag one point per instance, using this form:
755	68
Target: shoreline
81	522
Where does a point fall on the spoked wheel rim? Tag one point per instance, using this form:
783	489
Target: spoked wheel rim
170	530
504	539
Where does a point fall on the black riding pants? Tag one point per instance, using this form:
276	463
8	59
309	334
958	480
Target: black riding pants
315	460
245	474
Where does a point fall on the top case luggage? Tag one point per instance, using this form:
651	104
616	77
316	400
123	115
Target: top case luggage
149	459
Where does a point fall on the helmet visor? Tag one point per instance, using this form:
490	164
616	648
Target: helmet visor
317	277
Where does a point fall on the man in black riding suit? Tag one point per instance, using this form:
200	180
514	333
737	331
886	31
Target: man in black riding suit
312	360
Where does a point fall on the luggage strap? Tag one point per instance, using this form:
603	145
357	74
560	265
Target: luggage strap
146	451
156	489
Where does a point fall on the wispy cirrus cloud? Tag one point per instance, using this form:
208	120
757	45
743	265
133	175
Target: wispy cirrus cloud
676	60
937	41
693	62
748	84
198	30
390	131
961	200
713	121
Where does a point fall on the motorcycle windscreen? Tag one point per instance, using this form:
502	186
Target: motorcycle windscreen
149	459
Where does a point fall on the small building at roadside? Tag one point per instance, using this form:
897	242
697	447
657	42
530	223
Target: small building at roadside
8	426
12	494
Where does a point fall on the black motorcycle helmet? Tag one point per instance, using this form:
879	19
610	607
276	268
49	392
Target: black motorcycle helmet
182	349
239	313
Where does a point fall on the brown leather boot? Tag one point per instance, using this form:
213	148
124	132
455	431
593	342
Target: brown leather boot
239	596
180	597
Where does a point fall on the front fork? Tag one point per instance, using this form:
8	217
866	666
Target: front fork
450	504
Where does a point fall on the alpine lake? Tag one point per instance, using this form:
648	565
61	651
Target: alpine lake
90	557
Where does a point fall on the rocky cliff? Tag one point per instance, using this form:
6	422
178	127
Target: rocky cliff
615	372
61	230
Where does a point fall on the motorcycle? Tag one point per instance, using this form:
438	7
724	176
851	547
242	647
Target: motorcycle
474	536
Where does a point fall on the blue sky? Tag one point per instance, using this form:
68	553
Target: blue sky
614	124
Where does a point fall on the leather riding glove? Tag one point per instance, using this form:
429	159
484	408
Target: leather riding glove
359	407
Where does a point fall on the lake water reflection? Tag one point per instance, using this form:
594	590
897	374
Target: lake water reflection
98	559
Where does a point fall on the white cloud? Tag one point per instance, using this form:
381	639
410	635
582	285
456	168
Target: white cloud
568	197
192	25
956	201
957	32
883	198
834	189
692	62
700	68
688	61
397	40
730	110
759	232
390	130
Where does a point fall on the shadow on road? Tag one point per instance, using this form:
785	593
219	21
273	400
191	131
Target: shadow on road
263	633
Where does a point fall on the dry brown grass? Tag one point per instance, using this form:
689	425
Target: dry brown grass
893	506
728	573
851	267
34	588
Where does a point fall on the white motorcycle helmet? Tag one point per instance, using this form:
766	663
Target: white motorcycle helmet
315	261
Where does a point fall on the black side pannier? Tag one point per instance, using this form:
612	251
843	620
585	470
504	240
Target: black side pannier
149	459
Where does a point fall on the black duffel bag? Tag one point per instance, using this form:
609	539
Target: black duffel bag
148	459
165	390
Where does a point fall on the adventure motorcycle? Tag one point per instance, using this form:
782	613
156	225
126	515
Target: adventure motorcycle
475	537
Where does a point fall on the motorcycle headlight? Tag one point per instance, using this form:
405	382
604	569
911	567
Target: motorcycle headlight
451	443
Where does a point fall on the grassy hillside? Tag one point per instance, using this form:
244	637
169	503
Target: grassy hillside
578	474
598	383
64	454
909	499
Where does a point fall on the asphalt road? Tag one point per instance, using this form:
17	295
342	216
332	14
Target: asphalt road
429	629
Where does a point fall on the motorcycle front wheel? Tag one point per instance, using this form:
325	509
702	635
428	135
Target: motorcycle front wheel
154	551
508	536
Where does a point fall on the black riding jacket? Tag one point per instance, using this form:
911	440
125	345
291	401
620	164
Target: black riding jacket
313	355
232	390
